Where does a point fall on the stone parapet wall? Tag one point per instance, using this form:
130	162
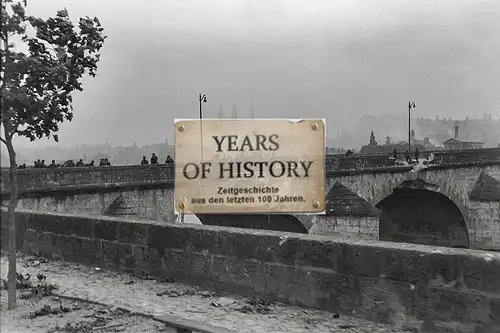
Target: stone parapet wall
467	155
40	179
32	179
415	287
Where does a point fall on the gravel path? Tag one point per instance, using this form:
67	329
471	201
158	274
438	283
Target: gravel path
228	311
77	317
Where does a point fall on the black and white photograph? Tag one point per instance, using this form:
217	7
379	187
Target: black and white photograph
238	166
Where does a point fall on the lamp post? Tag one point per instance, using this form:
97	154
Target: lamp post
410	106
201	98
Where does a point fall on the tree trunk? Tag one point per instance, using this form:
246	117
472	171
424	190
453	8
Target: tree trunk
9	133
11	282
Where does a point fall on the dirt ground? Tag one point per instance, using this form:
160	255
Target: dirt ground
67	316
150	296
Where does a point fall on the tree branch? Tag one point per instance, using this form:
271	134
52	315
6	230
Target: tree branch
6	55
3	140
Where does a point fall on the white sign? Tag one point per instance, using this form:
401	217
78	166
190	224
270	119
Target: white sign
249	166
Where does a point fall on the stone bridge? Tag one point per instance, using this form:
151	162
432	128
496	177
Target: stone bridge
455	201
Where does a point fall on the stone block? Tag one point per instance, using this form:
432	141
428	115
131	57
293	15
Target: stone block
244	273
286	251
240	245
21	221
264	247
82	226
47	245
90	252
55	224
404	264
441	304
155	260
316	253
117	256
106	229
309	287
481	273
304	287
147	260
202	240
67	247
80	250
278	280
191	239
332	291
356	259
163	237
30	242
192	267
132	232
385	300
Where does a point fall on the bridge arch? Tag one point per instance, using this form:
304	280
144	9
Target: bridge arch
417	212
287	223
376	187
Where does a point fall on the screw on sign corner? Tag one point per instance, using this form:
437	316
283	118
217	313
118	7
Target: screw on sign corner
316	204
180	128
314	127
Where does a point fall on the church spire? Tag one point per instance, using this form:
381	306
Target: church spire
234	112
221	114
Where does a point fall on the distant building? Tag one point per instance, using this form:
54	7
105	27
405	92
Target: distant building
455	144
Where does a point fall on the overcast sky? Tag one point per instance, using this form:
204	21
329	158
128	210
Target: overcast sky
332	59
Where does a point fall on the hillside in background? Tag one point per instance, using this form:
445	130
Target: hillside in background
121	155
438	130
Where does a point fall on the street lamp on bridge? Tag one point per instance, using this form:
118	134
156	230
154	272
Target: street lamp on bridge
202	98
410	106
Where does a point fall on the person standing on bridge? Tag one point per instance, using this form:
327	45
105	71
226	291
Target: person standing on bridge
169	160
407	156
144	161
417	154
154	159
395	153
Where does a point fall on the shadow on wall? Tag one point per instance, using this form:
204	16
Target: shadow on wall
286	223
423	217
